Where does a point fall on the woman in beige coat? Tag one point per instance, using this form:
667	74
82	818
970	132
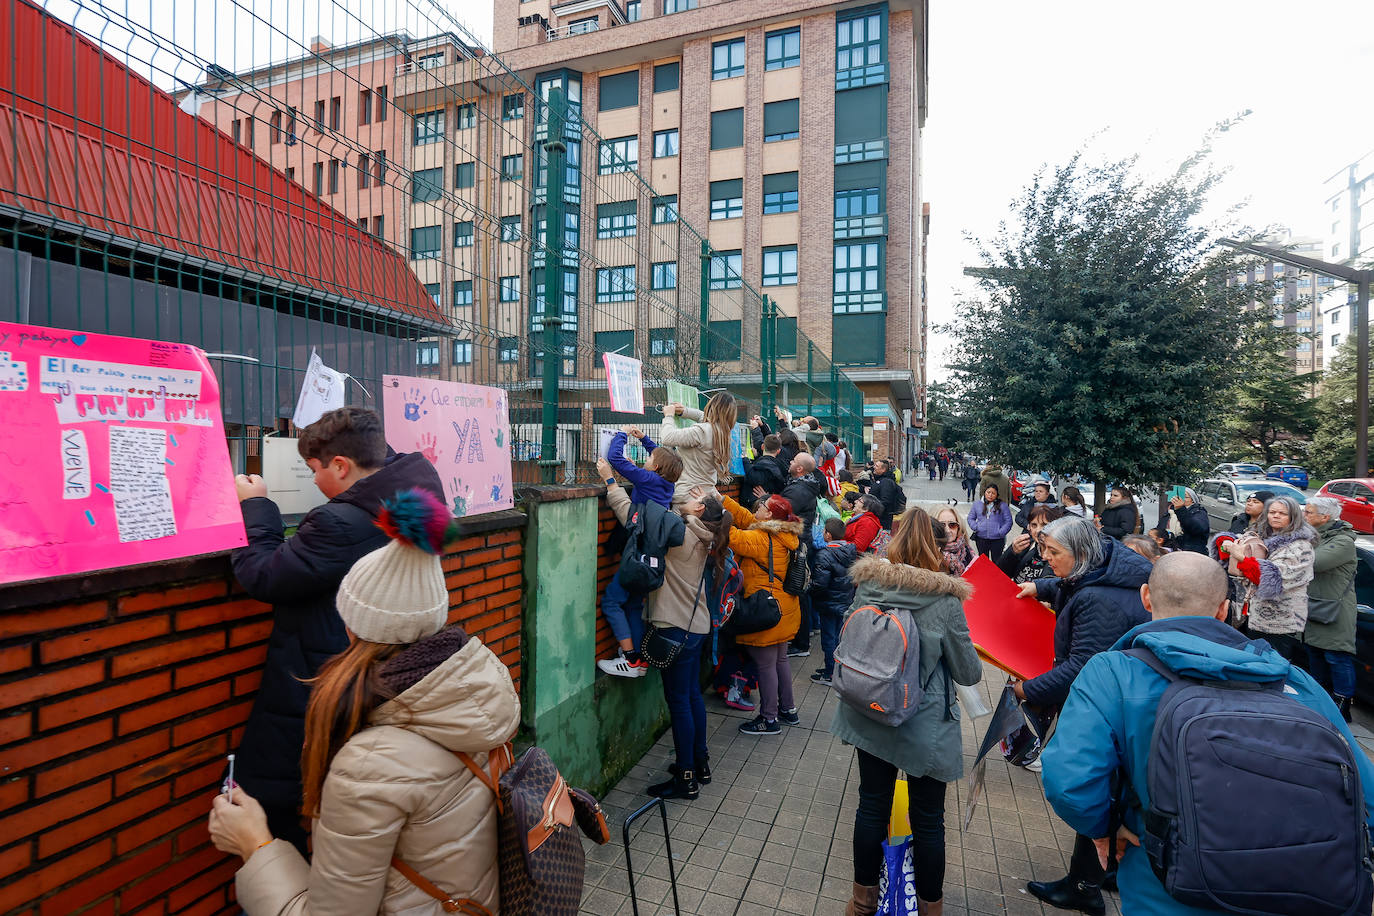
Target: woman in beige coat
386	723
704	447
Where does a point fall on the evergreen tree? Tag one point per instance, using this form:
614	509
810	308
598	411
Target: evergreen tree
1273	414
1333	445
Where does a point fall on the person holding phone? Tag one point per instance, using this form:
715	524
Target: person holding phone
1186	520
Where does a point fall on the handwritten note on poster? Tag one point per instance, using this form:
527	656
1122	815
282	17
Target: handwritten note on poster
464	430
112	453
625	377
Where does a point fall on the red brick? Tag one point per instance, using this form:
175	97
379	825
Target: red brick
180	900
219	666
166	654
102	638
13	792
247	683
196	833
509	628
100	702
157	908
482	622
179	704
156	886
168	764
510	599
163	823
64	807
172	597
456	580
107	880
16	857
205	777
504	568
481	558
16	728
54	746
467	545
513	550
51	683
249	633
57	618
66	869
211	722
123	754
219	613
102	820
14	658
451	563
512	582
482	588
503	537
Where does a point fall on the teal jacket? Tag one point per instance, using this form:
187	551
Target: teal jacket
1110	717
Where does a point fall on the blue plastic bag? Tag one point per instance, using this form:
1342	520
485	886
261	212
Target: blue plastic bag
897	885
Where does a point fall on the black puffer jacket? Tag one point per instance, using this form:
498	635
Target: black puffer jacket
299	577
766	471
802	492
1093	612
889	492
1197	528
1119	521
832	591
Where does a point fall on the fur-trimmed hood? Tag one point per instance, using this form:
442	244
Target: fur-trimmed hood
1305	533
776	526
884	574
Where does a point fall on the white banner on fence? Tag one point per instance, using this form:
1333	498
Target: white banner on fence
322	391
625	377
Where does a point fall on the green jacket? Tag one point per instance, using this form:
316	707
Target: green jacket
927	744
1334	571
995	477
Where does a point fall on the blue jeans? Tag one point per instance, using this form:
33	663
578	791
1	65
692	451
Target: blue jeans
1333	670
624	612
686	709
831	623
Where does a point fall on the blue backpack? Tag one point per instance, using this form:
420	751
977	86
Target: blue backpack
731	586
1255	801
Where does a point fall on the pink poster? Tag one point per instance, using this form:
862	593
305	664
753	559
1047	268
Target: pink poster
463	429
112	453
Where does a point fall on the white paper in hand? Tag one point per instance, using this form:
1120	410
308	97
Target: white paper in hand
322	391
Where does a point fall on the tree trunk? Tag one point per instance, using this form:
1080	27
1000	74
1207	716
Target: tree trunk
1099	497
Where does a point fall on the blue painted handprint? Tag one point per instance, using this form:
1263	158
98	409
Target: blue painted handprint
461	494
496	486
413	400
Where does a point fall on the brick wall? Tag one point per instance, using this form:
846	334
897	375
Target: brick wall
120	694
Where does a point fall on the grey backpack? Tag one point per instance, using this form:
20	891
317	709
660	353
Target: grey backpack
878	664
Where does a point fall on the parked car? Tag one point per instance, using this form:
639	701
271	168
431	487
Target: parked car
1237	469
1024	482
1356	496
1223	497
1364	626
1288	473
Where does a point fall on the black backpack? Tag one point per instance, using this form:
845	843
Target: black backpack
1255	801
642	562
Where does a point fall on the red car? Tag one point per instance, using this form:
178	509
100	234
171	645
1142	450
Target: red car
1356	496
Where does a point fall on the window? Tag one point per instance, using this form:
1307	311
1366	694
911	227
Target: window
248	131
236	130
632	11
291	125
427	354
615	284
665	143
434	291
858	277
620	154
727	128
1335	340
1336	317
364	170
317	177
662	341
513	167
857	202
572	235
780	266
727	198
382	112
678	6
290	173
429	127
462	292
364	106
424	242
782	49
462	234
1304	346
570	298
381	166
861	125
620	90
319	116
727	59
508	349
726	267
362	223
865	339
466	116
780	120
780	192
464	174
275	123
665	209
584	25
510	289
722	343
616	220
613	342
377	227
462	352
335	113
859	49
786	342
666	77
513	107
510	228
426	185
665	275
430	61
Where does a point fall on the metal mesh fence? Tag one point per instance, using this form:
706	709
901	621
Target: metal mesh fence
384	198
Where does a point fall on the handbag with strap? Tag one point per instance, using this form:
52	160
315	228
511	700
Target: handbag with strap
1326	610
759	610
658	647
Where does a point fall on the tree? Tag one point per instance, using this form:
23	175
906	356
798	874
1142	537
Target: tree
945	423
1272	412
1333	445
1107	337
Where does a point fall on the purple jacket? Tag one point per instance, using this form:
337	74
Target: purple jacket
989	527
649	487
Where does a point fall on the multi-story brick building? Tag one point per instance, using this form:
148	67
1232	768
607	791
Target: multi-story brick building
1296	299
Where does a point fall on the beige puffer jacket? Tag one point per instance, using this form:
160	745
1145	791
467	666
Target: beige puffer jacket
693	445
397	788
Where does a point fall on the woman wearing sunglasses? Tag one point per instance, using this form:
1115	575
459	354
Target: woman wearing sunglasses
956	548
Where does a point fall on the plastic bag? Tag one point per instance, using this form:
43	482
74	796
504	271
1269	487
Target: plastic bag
897	885
971	698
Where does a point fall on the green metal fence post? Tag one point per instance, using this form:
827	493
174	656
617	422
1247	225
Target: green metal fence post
703	369
765	356
810	387
835	400
556	154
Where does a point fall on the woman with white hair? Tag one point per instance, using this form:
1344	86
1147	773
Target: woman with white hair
1277	561
1187	521
1096	597
1331	618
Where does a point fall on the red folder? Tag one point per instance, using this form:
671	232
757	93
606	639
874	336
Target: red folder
1015	634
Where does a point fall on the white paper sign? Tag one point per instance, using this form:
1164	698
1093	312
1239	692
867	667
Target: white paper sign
625	377
322	391
290	482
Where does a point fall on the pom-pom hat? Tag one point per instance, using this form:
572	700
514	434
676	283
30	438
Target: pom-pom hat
396	594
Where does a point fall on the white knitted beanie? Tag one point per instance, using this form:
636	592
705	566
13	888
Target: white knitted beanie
396	594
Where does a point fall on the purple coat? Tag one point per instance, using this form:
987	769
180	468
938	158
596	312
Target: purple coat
989	527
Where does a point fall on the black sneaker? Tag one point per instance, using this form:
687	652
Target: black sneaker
789	717
819	671
795	652
760	726
820	677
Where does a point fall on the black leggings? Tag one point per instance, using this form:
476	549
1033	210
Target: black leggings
877	782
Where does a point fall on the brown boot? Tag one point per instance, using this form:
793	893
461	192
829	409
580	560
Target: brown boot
864	902
930	908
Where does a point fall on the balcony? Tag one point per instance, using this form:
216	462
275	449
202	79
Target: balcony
857	227
572	28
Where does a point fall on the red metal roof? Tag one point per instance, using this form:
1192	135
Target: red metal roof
86	140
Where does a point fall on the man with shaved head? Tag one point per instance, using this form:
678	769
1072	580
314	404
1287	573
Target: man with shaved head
1108	722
